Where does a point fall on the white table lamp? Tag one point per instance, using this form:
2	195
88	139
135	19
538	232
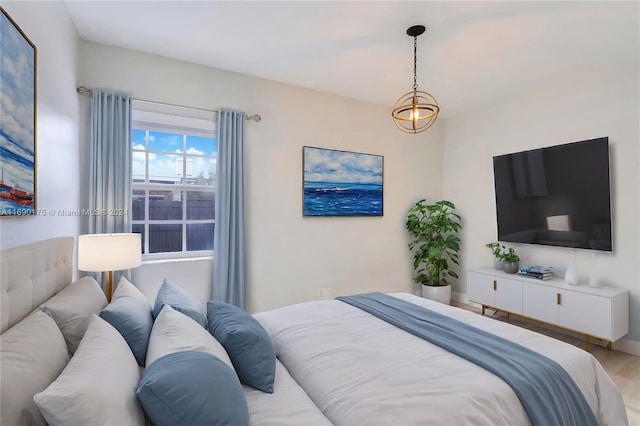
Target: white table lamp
108	253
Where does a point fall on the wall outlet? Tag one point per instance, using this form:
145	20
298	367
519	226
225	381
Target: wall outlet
324	292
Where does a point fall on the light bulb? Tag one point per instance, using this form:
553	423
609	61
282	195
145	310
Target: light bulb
415	116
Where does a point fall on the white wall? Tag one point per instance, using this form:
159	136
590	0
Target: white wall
290	256
48	26
190	274
584	109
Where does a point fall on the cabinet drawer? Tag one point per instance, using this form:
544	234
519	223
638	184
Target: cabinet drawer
509	295
586	313
480	288
541	303
497	292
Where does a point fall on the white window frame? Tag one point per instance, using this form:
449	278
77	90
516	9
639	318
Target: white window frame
150	117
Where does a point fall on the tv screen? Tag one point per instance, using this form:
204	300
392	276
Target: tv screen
557	196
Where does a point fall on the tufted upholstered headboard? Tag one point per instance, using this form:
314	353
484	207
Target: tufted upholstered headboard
31	274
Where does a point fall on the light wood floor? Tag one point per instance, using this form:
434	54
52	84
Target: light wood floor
623	368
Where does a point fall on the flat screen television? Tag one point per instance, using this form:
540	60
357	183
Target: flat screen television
556	196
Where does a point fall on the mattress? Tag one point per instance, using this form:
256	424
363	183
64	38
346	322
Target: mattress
288	405
361	370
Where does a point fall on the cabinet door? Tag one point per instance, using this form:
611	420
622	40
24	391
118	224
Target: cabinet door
480	288
509	295
540	302
586	313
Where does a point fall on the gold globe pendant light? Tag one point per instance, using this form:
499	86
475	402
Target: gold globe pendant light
416	110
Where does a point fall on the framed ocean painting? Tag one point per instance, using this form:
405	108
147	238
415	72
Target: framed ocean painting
341	183
17	120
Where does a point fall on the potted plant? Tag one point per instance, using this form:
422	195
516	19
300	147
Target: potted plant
435	244
496	251
510	261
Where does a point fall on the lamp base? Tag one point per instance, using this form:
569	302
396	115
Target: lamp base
108	289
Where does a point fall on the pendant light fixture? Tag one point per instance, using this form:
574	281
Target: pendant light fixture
416	110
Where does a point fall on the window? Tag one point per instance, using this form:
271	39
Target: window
174	170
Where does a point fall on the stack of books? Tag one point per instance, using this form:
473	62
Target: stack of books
538	272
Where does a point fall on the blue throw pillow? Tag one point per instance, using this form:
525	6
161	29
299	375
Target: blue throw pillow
132	318
181	300
247	343
192	388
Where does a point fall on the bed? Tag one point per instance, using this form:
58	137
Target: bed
334	363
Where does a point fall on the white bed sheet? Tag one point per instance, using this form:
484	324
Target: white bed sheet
360	370
288	405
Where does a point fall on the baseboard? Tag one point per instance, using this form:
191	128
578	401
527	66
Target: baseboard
460	297
629	346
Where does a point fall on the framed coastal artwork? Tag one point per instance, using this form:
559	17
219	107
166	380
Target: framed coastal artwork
17	120
341	183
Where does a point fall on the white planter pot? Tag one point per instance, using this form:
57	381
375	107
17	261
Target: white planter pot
440	294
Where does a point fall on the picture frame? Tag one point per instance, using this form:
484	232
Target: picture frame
342	183
18	59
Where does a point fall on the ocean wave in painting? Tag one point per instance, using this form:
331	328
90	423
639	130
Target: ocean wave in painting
342	199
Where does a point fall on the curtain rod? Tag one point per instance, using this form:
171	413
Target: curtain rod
84	91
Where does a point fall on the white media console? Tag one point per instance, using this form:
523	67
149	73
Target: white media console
600	312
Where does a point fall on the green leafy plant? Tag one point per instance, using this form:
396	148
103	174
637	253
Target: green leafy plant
435	243
496	249
510	256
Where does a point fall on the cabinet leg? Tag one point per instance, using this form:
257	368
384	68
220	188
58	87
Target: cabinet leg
608	346
586	343
482	310
508	316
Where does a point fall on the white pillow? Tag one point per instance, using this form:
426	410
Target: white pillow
98	386
174	331
72	308
32	354
125	288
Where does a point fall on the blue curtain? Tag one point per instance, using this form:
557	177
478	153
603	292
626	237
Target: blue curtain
229	266
110	165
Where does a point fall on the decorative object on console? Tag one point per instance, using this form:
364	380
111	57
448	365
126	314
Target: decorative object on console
109	252
571	276
435	243
416	110
18	120
341	183
537	272
510	261
496	250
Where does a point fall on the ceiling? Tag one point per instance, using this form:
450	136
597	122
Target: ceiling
473	53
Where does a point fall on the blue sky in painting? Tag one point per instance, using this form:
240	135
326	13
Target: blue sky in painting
16	108
325	165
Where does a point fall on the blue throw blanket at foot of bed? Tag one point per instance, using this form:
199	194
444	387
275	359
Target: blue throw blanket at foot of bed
547	392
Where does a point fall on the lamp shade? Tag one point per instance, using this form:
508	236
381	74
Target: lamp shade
108	252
